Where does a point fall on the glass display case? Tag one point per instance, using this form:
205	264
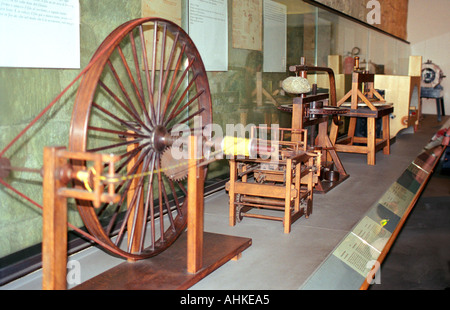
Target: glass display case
247	91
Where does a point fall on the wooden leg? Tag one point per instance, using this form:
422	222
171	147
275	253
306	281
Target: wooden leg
386	135
351	129
232	208
298	185
54	221
310	190
137	214
195	210
287	201
337	162
371	141
297	121
322	136
334	133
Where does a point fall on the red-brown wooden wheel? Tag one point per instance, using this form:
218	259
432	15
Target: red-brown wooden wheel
128	103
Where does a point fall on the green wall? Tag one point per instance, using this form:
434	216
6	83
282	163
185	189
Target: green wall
23	94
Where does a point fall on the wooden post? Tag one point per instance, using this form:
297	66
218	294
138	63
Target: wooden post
195	209
232	182
298	112
386	134
371	141
54	221
137	214
287	199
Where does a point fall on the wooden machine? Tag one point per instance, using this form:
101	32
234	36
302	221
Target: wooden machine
403	91
301	166
145	82
313	111
368	104
280	178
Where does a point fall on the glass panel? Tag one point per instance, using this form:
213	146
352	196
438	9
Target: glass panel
243	95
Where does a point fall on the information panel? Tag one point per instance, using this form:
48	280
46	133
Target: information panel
208	28
350	264
275	33
40	33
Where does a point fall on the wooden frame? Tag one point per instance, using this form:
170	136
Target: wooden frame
365	102
302	118
274	185
186	261
54	222
57	173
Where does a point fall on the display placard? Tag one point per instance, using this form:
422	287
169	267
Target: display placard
275	34
208	28
40	33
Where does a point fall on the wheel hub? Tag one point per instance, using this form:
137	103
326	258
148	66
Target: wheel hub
160	139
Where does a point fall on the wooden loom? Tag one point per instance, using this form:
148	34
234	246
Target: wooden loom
278	180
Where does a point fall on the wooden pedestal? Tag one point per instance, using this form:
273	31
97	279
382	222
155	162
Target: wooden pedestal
168	271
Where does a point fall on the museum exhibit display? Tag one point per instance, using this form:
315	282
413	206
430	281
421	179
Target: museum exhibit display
196	144
281	180
431	87
365	102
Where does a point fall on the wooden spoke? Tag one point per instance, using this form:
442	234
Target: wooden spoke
146	78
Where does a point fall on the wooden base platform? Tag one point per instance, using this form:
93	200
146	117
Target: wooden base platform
168	270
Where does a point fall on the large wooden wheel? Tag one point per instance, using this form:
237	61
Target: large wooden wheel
145	81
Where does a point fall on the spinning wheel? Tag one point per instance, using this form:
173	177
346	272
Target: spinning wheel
145	82
143	100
